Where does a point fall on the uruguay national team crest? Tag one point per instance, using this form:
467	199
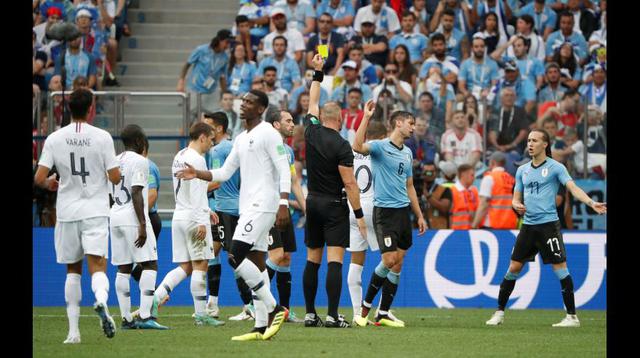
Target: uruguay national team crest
545	172
387	241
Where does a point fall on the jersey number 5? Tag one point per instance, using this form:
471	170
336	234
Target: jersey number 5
83	173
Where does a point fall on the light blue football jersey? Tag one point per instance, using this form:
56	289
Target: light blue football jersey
391	167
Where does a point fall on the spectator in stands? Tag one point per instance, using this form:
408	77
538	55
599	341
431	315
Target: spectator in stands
352	115
489	30
565	111
432	115
598	59
351	80
385	19
524	89
457	43
333	40
529	67
567	33
496	192
299	14
241	70
550	125
39	59
419	8
570	70
375	47
210	63
43	42
416	42
596	130
77	63
342	13
449	64
596	162
472	112
460	144
553	89
599	37
423	148
235	126
460	16
385	106
287	69
595	93
258	12
243	36
584	19
367	72
443	93
406	71
465	199
65	6
544	18
502	10
295	40
400	90
535	43
436	198
479	73
277	95
304	87
507	129
109	10
302	108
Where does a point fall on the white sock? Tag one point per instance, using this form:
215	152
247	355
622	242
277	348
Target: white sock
73	295
124	294
199	291
262	316
147	285
171	280
100	287
254	279
354	280
213	301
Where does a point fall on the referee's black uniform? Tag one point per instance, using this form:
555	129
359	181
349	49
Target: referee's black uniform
327	210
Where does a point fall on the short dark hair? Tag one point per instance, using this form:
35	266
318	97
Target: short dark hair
438	37
376	129
449	12
354	47
406	13
133	137
565	13
528	19
198	129
549	119
463	168
400	115
355	89
272	115
219	119
222	93
325	14
280	37
569	93
426	93
262	97
79	103
241	18
269	68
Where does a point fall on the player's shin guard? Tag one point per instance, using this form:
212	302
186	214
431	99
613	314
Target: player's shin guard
147	285
566	282
73	296
389	289
214	271
310	285
256	281
124	295
283	280
199	291
377	279
506	287
171	280
354	281
100	287
334	287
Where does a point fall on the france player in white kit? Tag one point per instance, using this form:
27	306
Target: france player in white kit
537	183
191	240
132	236
357	244
85	158
266	181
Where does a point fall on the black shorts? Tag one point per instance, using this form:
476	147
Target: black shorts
156	224
327	222
223	232
393	228
544	238
285	239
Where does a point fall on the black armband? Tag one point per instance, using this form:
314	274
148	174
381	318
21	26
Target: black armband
358	213
318	76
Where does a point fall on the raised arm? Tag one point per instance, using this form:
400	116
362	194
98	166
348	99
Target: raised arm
600	208
359	144
314	91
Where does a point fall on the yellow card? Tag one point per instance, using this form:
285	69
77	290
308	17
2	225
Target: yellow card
323	50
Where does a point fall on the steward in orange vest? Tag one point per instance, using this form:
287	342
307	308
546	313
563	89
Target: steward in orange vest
465	199
496	193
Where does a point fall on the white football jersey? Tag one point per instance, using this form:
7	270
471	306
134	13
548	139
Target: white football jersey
82	155
192	203
134	169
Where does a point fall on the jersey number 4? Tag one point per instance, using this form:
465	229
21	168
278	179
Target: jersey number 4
83	173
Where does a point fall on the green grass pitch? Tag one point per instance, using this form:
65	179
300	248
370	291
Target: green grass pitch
429	333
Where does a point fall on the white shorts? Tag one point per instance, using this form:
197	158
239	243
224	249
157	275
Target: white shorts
356	241
75	239
253	228
185	246
123	247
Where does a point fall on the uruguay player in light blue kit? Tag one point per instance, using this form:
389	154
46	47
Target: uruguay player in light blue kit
538	182
394	195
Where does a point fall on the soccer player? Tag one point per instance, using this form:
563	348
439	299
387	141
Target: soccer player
85	159
191	240
330	171
394	196
132	240
225	204
358	244
537	183
283	242
261	157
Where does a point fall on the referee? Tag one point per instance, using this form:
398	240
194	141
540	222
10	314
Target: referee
330	170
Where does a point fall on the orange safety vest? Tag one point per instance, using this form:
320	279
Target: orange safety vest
465	203
501	214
